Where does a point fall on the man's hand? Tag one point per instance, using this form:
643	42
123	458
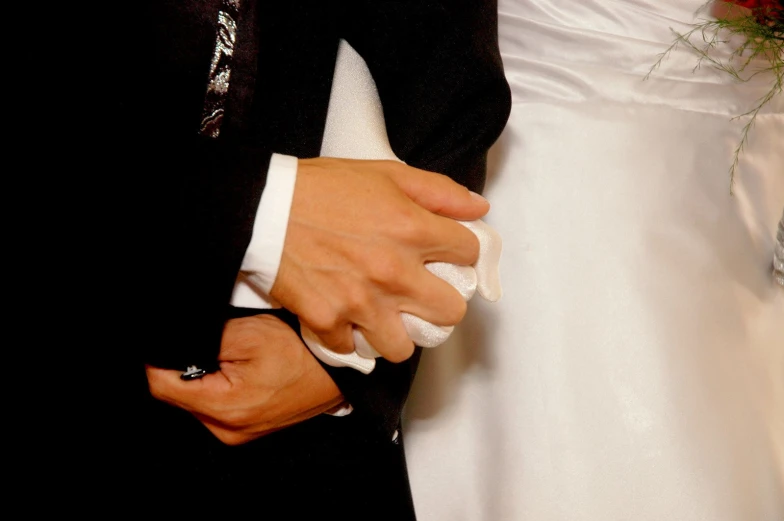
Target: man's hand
359	235
267	380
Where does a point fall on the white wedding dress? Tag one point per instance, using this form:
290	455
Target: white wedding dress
634	370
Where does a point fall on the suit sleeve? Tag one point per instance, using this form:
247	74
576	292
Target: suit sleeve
192	198
440	78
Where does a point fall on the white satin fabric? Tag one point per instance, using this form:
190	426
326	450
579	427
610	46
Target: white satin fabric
635	368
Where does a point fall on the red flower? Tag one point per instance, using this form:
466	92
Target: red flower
754	4
765	10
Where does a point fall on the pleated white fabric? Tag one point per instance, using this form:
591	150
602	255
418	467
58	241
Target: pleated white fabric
635	368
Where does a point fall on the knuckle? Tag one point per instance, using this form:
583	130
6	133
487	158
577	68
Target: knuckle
387	269
467	245
401	353
338	341
405	224
445	186
324	320
445	179
333	333
357	300
393	168
455	309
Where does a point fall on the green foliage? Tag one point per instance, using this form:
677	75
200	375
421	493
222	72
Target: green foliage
758	39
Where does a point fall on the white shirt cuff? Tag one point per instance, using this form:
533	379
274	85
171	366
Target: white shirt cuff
262	258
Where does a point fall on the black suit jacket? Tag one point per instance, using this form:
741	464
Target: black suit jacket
440	80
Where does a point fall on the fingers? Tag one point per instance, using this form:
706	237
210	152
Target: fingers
358	237
388	336
363	359
373	316
416	291
329	324
446	240
429	298
463	278
193	395
434	300
438	193
424	333
336	338
267	380
363	347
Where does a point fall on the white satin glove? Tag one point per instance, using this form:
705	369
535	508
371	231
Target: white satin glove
482	276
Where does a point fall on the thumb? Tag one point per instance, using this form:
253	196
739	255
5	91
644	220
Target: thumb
191	395
438	193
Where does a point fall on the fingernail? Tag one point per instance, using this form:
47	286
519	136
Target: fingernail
475	196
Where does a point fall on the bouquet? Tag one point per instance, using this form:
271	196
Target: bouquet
755	28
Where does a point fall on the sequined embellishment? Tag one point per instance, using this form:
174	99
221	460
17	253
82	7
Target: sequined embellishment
220	69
